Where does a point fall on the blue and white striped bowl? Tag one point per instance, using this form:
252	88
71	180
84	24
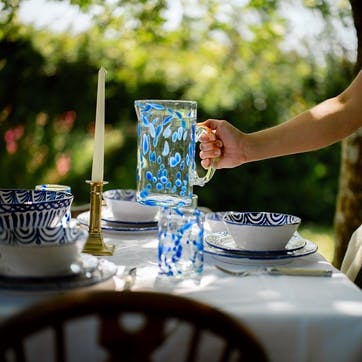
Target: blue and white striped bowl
40	251
25	208
261	231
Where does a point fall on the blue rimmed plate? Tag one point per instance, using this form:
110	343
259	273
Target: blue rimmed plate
252	257
89	273
83	219
225	242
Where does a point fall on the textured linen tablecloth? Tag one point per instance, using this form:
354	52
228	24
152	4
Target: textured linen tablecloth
299	319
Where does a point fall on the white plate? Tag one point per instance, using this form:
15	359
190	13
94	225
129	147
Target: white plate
86	263
252	258
83	218
108	217
224	241
89	274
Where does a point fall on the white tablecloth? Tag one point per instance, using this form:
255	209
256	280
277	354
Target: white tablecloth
299	319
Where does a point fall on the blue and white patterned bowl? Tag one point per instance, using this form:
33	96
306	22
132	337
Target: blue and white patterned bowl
40	251
125	207
261	231
26	208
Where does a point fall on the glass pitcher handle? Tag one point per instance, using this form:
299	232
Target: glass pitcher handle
196	179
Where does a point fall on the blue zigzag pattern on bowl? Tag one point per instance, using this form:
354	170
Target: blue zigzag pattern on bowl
261	218
32	197
31	218
41	236
24	208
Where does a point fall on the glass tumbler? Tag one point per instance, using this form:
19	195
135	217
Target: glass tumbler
180	248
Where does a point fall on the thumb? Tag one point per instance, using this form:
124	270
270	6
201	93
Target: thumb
213	124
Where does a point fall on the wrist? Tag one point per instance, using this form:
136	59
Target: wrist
245	148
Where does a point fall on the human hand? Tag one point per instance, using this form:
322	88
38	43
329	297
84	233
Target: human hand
223	146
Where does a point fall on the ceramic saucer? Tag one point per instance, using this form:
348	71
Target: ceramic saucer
224	241
89	271
256	258
83	219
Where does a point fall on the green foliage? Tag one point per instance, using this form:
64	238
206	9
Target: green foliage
322	235
228	57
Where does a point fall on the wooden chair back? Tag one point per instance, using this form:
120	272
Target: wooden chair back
164	320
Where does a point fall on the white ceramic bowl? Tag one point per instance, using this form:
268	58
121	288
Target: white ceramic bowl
125	207
214	221
21	208
40	252
261	231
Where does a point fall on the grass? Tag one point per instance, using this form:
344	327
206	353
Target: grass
323	236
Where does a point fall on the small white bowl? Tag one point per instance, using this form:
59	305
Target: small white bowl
214	221
40	252
261	231
125	207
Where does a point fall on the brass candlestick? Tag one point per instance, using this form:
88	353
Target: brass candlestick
95	244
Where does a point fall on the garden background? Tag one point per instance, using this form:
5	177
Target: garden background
240	60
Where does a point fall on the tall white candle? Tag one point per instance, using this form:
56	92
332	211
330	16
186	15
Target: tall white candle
98	153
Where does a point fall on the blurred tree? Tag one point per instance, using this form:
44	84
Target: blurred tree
348	214
228	56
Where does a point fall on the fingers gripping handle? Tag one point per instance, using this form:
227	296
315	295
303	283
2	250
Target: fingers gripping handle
196	179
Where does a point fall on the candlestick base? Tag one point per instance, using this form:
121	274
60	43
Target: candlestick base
95	244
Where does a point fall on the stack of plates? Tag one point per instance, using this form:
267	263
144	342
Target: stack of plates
222	247
88	271
110	223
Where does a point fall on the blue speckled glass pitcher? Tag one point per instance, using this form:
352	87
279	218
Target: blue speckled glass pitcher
166	169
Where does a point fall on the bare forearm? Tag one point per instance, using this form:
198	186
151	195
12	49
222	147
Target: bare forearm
322	125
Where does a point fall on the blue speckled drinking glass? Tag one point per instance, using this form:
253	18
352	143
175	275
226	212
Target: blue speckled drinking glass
167	134
180	247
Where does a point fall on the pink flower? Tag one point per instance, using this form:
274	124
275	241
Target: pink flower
63	164
11	136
